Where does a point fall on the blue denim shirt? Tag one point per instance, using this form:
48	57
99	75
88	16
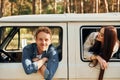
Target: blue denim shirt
30	52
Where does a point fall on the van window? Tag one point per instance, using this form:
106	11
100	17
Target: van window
4	32
84	33
16	37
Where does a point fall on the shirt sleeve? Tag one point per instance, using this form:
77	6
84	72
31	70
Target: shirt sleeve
52	64
89	43
115	49
28	65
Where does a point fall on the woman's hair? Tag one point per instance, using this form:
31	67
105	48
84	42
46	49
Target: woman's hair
105	50
110	38
43	29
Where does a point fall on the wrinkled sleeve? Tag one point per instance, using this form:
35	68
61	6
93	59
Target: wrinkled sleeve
115	49
28	65
89	43
52	64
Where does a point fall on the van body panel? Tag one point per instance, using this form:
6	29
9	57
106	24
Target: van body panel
78	68
72	66
15	70
62	18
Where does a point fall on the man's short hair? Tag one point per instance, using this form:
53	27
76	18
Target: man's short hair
43	29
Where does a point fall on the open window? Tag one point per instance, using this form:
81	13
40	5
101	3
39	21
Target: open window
14	38
84	33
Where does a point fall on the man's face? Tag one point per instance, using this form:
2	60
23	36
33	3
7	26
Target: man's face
43	40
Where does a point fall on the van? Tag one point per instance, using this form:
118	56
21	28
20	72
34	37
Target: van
69	34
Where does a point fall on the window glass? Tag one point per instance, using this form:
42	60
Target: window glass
3	33
85	32
13	45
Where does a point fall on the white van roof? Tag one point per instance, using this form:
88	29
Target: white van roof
62	17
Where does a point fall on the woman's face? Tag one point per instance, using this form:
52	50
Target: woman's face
100	36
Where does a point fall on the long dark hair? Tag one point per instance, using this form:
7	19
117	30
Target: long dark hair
105	50
110	38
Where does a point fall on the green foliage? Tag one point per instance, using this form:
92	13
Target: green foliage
49	9
25	10
18	7
12	0
7	30
60	9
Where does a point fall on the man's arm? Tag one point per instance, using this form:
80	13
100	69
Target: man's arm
31	65
40	62
52	63
28	65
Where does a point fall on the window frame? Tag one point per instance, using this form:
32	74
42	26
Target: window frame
95	27
19	35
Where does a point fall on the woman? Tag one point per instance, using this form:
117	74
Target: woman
101	46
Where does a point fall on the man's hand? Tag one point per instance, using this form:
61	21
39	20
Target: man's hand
35	59
45	59
40	62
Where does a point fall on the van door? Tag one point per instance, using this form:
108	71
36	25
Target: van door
18	35
78	66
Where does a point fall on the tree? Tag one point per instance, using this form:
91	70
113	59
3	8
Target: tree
1	8
97	6
106	6
118	5
12	3
40	6
33	4
17	7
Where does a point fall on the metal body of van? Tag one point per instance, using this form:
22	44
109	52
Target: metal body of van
69	34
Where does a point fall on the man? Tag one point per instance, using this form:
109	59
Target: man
41	56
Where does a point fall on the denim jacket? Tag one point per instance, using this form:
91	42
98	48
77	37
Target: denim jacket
30	52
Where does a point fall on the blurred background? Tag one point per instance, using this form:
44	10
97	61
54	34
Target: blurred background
22	7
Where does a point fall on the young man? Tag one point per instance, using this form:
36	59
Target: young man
41	56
